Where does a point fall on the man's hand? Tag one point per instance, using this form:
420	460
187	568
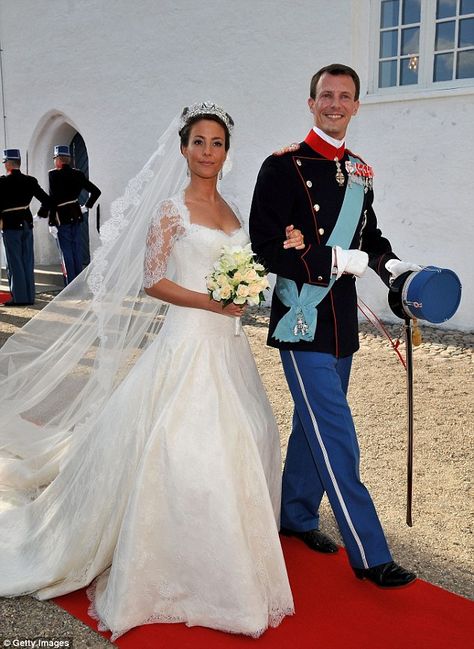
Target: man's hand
350	262
396	267
294	238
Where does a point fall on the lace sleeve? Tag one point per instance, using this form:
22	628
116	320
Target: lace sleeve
165	229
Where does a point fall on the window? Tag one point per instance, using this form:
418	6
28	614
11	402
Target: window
399	51
425	43
454	40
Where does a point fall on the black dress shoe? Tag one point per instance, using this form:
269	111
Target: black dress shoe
11	303
386	575
314	539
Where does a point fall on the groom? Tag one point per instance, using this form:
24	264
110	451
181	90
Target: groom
325	191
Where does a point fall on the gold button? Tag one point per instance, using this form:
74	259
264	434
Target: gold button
298	162
309	183
316	207
320	279
321	230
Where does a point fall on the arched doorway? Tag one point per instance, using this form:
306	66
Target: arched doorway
55	127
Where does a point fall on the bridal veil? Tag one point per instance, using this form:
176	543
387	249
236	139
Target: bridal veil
60	368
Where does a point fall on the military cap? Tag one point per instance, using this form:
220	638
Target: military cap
11	154
61	149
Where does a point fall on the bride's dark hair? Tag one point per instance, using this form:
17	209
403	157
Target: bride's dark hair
185	131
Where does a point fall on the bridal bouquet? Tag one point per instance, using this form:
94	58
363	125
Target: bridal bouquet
237	277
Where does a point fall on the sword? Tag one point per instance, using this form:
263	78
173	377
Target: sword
409	362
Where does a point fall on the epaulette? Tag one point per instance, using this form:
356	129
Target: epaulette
356	155
362	168
288	149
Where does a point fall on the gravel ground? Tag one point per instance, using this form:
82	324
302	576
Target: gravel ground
439	546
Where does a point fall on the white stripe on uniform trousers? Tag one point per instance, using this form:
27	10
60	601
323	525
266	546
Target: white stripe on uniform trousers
328	464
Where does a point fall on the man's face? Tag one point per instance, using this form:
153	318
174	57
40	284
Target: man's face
334	104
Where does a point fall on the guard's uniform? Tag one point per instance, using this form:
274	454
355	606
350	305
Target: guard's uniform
16	192
65	185
303	185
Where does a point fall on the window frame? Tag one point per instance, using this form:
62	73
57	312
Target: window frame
426	60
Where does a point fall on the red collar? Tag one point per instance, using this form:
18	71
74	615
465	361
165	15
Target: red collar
324	148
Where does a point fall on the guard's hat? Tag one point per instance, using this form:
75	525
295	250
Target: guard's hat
61	149
11	154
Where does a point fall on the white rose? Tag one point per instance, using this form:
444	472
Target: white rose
251	275
239	300
242	290
222	280
225	292
263	283
211	283
253	301
254	290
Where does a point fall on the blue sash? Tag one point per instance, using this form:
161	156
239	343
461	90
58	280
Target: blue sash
299	323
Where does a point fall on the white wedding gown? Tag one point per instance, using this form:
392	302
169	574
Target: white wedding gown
171	497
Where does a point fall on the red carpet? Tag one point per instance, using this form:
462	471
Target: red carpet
5	296
333	611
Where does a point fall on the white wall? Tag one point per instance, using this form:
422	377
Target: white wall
419	144
118	71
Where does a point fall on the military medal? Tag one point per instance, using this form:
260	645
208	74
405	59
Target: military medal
301	327
339	175
359	173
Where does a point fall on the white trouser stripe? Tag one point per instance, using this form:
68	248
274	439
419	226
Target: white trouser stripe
328	465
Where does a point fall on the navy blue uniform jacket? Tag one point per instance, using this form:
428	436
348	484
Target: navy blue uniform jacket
65	185
17	190
299	187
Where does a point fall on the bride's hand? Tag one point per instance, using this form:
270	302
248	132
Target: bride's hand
232	310
294	238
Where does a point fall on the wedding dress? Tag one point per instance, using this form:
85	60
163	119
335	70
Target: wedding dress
168	498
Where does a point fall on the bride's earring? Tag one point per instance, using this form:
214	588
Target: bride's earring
188	173
220	175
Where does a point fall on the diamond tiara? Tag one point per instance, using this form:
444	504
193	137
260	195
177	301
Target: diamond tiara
206	108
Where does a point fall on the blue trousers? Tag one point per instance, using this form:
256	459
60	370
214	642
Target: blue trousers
20	259
70	242
323	456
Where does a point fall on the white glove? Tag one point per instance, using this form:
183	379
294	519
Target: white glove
53	231
396	267
351	262
84	209
35	217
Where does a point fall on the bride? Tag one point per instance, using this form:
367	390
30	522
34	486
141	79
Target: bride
139	452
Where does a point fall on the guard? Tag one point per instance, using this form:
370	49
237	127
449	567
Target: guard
16	192
65	185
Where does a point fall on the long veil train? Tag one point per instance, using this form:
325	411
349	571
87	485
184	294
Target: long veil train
60	368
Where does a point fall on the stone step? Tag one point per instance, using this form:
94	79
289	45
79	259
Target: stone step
47	278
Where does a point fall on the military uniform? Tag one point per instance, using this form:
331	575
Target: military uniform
297	185
305	186
16	192
65	185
